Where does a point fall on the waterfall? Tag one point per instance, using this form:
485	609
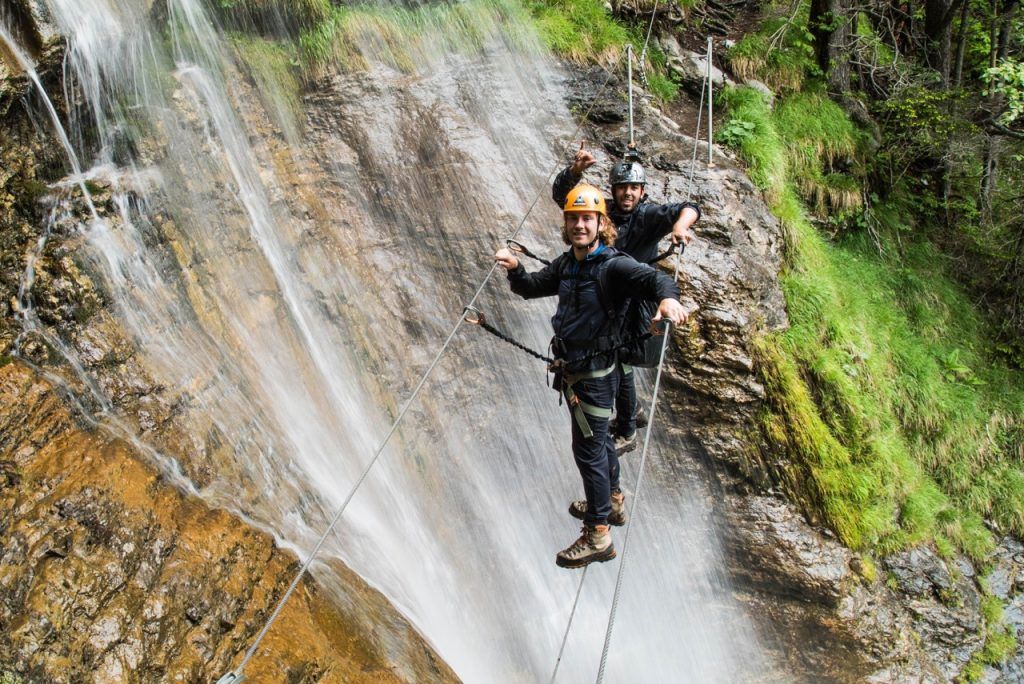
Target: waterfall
288	285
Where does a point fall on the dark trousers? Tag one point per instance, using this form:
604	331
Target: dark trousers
625	400
595	455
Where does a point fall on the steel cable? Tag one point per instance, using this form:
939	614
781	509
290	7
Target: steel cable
236	675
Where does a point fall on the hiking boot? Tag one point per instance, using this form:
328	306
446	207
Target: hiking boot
641	420
578	509
593	546
624	444
641	417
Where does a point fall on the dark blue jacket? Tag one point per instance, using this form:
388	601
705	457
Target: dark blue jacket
592	296
639	230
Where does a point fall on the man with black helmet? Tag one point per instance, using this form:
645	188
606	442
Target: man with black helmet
640	224
591	280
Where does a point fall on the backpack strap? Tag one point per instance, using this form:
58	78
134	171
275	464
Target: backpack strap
603	290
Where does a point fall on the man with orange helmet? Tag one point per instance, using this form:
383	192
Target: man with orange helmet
592	281
640	224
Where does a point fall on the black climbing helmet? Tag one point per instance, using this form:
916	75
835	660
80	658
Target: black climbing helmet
627	172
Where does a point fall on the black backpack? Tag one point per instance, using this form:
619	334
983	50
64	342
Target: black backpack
642	349
639	347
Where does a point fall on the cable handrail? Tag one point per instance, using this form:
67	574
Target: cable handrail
236	675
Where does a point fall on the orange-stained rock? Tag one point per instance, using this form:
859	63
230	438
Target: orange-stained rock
108	573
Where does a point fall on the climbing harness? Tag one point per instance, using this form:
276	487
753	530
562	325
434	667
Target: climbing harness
477	317
580	409
236	676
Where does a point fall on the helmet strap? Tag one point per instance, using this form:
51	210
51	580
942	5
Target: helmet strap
600	224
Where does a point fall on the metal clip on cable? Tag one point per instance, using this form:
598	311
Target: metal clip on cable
473	315
519	247
669	252
516	246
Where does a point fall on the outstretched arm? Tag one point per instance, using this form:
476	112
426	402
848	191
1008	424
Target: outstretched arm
628	276
659	220
571	175
681	228
543	283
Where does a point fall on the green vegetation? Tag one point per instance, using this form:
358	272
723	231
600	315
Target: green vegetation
901	426
273	71
315	36
581	31
278	18
398	35
1000	643
779	53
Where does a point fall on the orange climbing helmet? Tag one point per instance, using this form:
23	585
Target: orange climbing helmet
585	197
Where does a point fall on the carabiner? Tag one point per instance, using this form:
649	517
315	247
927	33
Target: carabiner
473	315
516	246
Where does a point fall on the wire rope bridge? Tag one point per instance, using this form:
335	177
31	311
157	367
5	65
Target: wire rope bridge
472	315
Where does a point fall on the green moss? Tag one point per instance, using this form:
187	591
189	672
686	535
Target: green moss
1000	643
901	427
29	192
868	570
276	77
398	36
278	18
579	30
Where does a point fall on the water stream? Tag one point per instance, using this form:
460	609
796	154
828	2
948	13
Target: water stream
289	296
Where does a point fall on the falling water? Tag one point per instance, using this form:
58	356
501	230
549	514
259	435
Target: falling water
290	295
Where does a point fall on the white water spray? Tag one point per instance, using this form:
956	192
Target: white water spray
299	304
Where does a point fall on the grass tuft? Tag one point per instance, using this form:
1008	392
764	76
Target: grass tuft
900	426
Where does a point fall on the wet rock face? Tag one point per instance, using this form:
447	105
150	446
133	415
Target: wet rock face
1005	580
824	613
729	273
109	574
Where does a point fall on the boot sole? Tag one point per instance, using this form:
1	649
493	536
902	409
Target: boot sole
605	555
579	516
626	449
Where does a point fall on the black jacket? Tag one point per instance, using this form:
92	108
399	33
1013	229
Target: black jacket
640	229
592	296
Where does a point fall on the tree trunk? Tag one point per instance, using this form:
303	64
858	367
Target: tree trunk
938	23
961	44
831	28
1008	9
989	173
